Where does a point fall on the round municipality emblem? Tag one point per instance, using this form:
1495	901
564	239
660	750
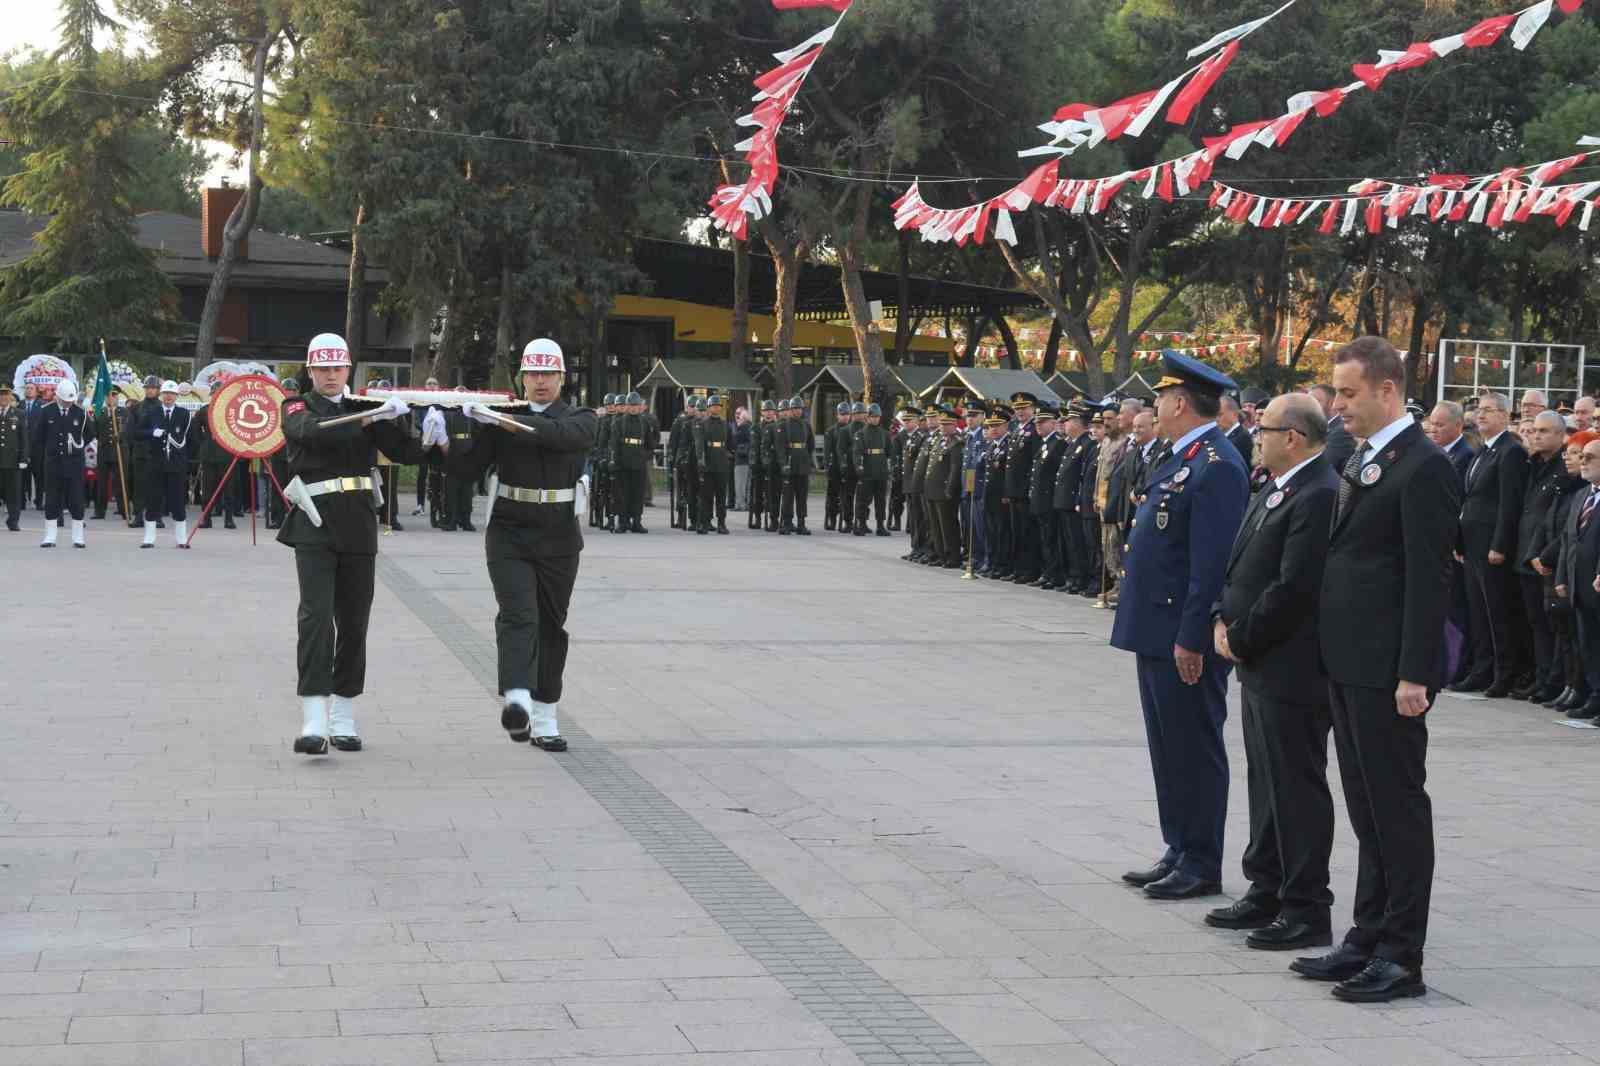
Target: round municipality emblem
1275	499
1181	476
246	416
1370	474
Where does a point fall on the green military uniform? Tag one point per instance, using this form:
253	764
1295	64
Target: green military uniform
835	460
13	459
917	454
796	442
680	453
941	490
773	470
631	446
869	461
844	448
758	466
713	456
214	460
601	508
455	492
111	451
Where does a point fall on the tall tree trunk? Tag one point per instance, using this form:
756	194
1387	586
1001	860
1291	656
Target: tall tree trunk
1416	357
504	341
787	253
355	296
903	326
1052	350
869	345
1013	353
243	217
977	329
448	357
421	329
739	347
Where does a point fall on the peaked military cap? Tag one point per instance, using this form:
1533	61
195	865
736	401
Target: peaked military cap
1256	395
1000	411
152	382
1180	369
913	412
1023	399
996	419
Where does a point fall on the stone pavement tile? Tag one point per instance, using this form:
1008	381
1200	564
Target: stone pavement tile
452	1019
38	1030
1535	1010
795	1057
88	1004
755	1036
1081	999
1179	965
206	977
34	984
121	901
725	988
414	973
777	1012
184	1053
512	993
341	1051
156	959
631	947
1327	1018
662	968
314	953
1542	1060
1475	1034
1003	1019
1141	1044
880	938
1230	1025
1406	1049
1271	987
559	1043
128	1029
231	1000
952	977
1041	1055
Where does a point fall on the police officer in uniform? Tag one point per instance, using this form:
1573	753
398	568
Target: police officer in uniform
1176	560
142	449
1026	550
61	430
534	540
869	460
166	429
713	446
797	442
335	553
13	456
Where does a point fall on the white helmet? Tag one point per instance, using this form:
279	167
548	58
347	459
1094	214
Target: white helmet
66	392
169	386
327	349
543	356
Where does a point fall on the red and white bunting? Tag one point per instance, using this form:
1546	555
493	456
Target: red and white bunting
1080	124
733	206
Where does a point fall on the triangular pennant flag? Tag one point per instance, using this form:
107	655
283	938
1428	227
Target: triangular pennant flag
1003	230
1200	84
1529	23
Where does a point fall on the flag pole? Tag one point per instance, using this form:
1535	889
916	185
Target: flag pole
116	442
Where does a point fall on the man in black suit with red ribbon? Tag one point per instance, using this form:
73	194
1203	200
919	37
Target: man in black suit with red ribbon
1266	625
1385	598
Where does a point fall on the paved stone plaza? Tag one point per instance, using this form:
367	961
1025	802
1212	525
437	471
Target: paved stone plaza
821	807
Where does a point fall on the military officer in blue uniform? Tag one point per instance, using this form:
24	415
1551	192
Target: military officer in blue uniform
1176	559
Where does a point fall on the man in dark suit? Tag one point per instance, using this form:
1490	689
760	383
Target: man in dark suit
1266	625
1548	482
1384	604
32	475
1067	484
1576	577
1041	496
1445	427
1340	442
1021	446
1174	568
1496	481
1231	421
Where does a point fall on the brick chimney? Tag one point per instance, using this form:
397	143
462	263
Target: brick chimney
215	207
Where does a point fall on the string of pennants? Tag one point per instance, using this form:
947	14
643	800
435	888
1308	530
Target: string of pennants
1514	194
1180	176
733	206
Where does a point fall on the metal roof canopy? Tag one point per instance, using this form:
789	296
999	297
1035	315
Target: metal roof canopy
715	374
992	384
699	274
852	379
1061	380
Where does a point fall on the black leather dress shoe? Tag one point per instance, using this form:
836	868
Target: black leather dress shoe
1556	703
1497	691
1246	914
1548	695
1472	684
1179	885
1340	964
1574	697
1588	709
1150	876
1286	934
1381	982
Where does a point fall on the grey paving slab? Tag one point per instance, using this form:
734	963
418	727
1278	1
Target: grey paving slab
802	822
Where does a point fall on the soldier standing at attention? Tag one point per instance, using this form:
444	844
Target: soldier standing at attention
713	443
1176	560
1047	462
774	472
111	440
214	460
897	455
1026	549
848	481
680	425
870	460
1088	517
534	539
1069	483
602	511
942	490
798	443
833	464
61	430
911	462
630	461
335	547
997	531
141	447
13	456
760	435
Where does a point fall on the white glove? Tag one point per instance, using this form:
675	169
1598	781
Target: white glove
393	407
158	433
479	413
22	465
433	429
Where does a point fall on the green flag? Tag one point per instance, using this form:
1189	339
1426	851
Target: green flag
102	384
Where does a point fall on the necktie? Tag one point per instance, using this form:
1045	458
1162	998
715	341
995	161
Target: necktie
1347	483
1588	509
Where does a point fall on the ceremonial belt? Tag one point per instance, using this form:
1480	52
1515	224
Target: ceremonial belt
874	451
511	492
461	436
339	484
798	444
713	444
633	440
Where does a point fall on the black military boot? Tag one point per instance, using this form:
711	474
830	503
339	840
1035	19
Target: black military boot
801	530
882	532
722	527
828	522
207	523
227	520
